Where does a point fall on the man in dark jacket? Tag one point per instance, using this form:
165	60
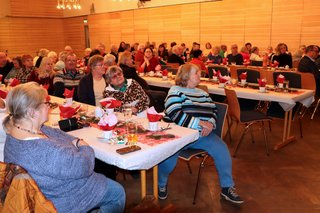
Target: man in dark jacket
5	65
308	64
175	57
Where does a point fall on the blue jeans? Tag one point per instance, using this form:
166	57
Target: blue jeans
215	147
115	198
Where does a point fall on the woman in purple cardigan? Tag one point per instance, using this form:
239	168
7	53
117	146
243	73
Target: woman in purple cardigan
61	164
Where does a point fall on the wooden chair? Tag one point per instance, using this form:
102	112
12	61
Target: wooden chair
245	117
173	65
188	154
308	82
256	63
252	75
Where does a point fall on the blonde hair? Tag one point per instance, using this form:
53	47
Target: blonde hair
20	100
124	58
42	68
183	74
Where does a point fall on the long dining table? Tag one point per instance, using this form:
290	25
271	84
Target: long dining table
150	155
287	100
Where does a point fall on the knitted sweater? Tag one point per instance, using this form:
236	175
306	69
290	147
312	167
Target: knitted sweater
186	107
63	172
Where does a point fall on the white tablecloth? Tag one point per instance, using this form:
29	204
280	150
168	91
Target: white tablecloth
145	158
286	100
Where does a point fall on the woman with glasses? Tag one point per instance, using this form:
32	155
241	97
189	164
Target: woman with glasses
128	91
60	164
92	85
150	62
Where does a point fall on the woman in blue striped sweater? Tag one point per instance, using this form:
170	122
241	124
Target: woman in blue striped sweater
193	108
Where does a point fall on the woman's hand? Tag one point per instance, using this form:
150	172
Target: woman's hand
158	67
146	61
207	127
80	143
134	110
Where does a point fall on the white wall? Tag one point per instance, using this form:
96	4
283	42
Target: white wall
102	6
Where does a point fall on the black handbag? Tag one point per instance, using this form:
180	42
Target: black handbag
69	124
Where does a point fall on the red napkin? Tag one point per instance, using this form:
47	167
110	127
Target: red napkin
107	127
3	94
68	93
262	82
280	79
217	73
14	82
243	76
1	76
165	72
68	112
222	80
110	103
140	70
154	117
224	61
48	98
46	86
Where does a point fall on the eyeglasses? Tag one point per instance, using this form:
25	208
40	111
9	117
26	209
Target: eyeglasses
99	65
116	75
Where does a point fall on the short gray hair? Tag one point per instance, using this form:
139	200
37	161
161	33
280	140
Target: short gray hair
111	71
109	59
183	74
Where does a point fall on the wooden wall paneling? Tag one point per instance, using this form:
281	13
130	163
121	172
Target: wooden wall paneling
310	30
35	8
28	35
74	34
172	23
210	23
141	25
126	26
156	25
115	28
190	23
232	22
258	23
286	23
99	30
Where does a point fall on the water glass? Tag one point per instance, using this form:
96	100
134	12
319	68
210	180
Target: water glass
127	113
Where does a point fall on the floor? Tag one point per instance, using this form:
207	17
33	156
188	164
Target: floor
286	181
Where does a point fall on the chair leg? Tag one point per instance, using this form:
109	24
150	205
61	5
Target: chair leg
315	109
229	128
241	139
265	137
251	133
270	126
198	178
300	125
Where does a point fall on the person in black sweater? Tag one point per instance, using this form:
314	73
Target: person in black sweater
5	65
235	56
282	57
308	64
175	56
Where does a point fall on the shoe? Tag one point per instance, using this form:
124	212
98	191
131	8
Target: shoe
229	194
162	193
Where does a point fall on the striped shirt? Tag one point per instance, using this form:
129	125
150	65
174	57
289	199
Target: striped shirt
187	107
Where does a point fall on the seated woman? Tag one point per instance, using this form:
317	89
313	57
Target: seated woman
282	56
193	108
197	59
44	75
27	68
61	164
92	85
17	65
128	91
255	54
150	62
214	56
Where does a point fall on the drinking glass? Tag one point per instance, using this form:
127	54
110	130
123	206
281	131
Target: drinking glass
127	113
132	135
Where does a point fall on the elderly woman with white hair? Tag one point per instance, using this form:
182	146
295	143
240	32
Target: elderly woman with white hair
128	91
188	106
61	165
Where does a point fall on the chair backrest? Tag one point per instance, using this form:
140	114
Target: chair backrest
252	75
173	70
257	63
223	70
307	81
173	65
222	112
294	78
233	103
